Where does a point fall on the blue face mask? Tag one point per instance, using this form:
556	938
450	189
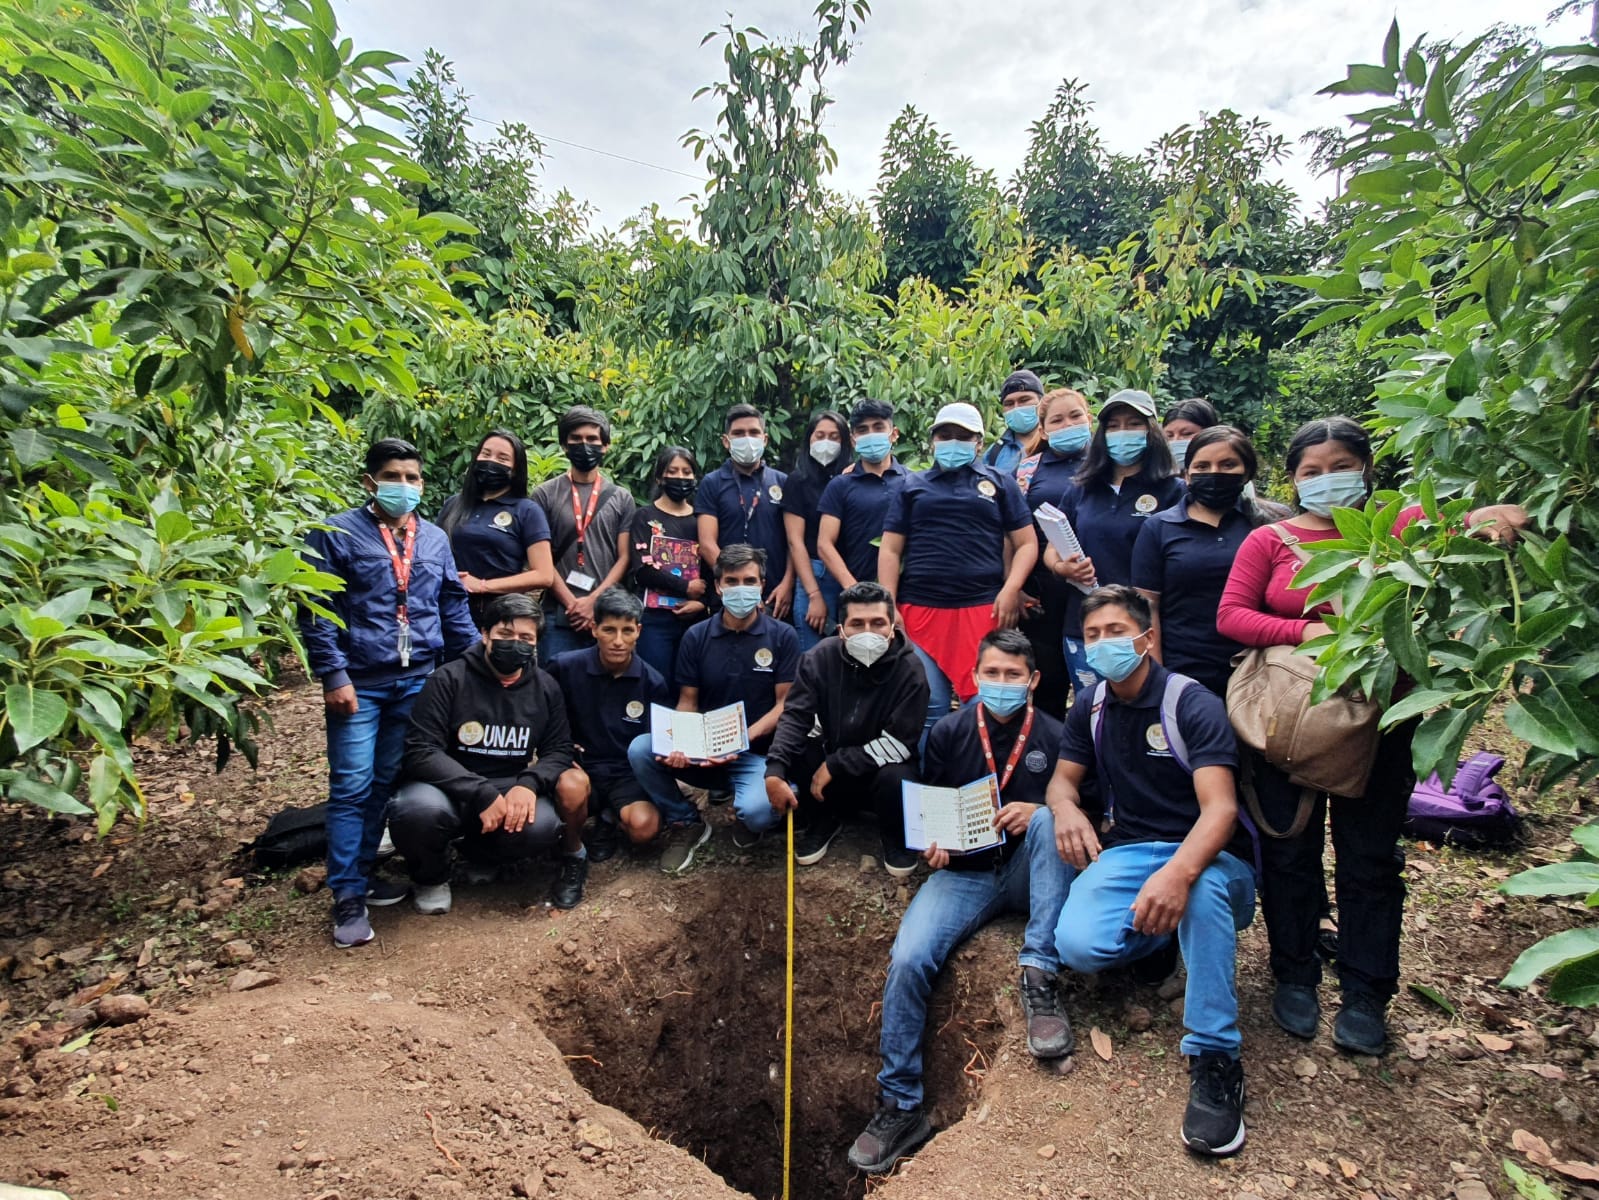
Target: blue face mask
1179	451
398	499
1320	494
1114	658
873	447
1073	439
1002	699
953	455
1022	420
1127	446
746	451
741	599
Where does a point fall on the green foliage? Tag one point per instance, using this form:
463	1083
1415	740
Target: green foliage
1572	956
928	199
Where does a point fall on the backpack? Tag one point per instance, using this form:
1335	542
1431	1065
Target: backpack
292	837
1473	811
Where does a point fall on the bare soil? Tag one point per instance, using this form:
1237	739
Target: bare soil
633	1047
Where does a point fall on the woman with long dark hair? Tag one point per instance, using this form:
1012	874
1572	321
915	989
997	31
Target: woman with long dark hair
821	456
667	570
1185	421
500	538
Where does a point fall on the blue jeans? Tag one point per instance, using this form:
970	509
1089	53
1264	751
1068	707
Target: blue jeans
948	909
1083	676
940	693
658	639
830	590
1096	932
745	777
558	637
364	751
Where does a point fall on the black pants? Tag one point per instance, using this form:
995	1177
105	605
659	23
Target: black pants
1045	631
879	793
1367	870
423	822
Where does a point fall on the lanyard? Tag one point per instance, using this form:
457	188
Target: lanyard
1016	750
748	513
402	565
583	519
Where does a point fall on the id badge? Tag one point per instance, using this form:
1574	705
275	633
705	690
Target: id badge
580	581
404	646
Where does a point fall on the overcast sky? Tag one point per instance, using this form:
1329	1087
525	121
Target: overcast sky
620	76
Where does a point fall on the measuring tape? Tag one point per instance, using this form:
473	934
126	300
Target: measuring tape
788	1014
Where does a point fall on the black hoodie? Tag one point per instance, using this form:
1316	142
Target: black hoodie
870	717
469	730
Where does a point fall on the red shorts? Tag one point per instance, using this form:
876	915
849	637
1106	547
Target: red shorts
949	637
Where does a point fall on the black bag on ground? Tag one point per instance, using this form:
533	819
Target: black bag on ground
294	836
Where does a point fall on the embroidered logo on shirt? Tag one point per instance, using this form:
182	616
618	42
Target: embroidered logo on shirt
470	734
635	709
1037	761
1156	737
985	489
776	493
503	518
1145	504
763	659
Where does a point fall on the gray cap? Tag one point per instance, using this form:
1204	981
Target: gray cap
1140	402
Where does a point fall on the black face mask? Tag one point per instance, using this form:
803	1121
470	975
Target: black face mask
1216	490
585	456
508	655
491	476
678	489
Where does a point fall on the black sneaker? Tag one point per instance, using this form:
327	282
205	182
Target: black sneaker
1155	969
350	924
899	862
890	1136
746	838
1360	1027
1214	1121
567	890
603	842
1049	1032
380	893
810	847
718	796
1296	1009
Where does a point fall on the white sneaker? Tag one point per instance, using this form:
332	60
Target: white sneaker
386	846
431	900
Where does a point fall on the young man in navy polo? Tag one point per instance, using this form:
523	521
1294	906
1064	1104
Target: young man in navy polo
608	690
854	504
742	502
958	546
1166	857
743	655
1004	736
402	612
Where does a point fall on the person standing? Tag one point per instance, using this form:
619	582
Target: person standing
500	538
1185	421
1019	397
819	461
958	545
742	501
590	520
668	571
854	504
402	612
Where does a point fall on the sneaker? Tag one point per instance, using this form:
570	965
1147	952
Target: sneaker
890	1136
1049	1033
1359	1027
603	842
567	890
681	843
1296	1009
1155	969
718	796
431	899
350	926
899	862
810	847
380	893
746	838
1214	1121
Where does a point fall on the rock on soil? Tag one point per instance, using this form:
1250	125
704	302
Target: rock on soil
121	1010
248	981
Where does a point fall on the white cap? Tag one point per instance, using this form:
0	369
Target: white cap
962	416
1139	402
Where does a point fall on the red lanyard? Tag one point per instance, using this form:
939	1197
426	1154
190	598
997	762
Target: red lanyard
748	513
1016	750
402	565
584	519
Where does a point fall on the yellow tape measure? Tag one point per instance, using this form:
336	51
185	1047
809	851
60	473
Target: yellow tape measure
788	1013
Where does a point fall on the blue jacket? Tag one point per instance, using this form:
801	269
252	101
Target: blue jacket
366	649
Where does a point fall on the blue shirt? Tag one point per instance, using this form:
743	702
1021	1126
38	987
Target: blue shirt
1107	524
1186	562
1150	795
1004	455
860	501
493	539
1046	478
606	711
729	665
748	509
955	525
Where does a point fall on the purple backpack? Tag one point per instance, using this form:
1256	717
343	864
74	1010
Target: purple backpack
1474	811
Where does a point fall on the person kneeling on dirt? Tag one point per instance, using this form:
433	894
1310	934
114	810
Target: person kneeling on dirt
608	690
488	741
1167	858
867	693
1002	735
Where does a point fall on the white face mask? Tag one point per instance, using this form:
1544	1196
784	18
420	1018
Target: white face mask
746	451
866	648
825	452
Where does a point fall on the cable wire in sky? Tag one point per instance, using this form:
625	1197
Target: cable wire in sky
594	150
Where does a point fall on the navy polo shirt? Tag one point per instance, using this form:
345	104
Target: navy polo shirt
606	711
860	501
729	665
1048	477
1107	524
492	540
954	756
748	509
955	525
1186	562
1150	794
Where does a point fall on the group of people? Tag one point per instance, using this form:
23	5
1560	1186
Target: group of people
489	681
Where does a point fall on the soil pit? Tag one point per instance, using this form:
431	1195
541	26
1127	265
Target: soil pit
690	1044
